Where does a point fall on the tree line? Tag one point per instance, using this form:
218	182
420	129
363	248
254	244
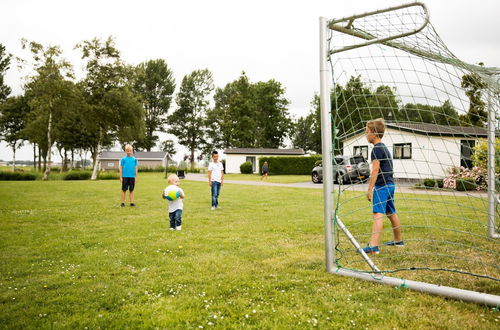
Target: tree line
119	102
356	102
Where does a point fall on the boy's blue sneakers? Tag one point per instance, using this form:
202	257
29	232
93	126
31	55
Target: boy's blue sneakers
371	249
397	243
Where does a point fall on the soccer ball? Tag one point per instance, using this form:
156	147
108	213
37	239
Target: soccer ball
172	193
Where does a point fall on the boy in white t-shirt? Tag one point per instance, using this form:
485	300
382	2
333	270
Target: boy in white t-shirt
174	207
215	178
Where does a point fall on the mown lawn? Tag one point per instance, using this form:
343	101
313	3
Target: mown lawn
71	258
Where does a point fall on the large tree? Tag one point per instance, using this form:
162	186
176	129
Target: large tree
356	103
444	114
474	86
13	115
232	122
48	90
113	109
273	119
70	133
188	121
155	84
4	66
303	134
249	115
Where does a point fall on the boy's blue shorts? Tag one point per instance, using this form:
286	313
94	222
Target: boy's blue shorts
383	199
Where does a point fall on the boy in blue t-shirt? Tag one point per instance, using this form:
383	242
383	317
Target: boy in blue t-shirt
128	174
381	187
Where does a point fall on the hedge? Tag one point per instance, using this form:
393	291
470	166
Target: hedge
246	168
17	176
171	169
430	183
78	175
289	165
464	184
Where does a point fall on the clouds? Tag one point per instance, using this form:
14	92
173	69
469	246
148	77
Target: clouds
265	38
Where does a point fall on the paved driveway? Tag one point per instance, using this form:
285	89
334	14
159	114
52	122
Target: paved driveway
407	188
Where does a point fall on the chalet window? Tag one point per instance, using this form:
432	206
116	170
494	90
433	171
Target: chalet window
402	151
466	152
361	150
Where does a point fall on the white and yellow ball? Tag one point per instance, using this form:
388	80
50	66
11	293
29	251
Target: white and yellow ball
172	193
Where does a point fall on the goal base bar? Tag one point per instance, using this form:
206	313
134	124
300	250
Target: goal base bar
444	291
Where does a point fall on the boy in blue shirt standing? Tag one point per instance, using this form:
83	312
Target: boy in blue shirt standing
381	187
128	174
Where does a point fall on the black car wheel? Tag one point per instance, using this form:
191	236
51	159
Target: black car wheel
315	178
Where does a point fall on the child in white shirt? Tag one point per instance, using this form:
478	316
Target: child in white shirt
175	206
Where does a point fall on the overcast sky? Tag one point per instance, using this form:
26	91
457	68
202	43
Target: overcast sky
268	39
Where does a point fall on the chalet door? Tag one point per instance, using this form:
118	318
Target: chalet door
252	160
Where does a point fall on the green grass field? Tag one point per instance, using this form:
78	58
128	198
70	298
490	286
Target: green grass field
72	258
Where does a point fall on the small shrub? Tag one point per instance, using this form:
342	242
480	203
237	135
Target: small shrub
152	168
440	183
17	176
108	176
464	184
246	168
429	183
77	175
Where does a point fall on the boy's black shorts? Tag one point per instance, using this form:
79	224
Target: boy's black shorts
128	184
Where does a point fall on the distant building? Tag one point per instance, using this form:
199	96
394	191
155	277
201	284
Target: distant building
237	156
421	150
110	160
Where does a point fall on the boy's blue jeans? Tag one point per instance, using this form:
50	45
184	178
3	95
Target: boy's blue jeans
215	193
175	218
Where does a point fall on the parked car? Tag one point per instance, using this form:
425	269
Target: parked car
346	169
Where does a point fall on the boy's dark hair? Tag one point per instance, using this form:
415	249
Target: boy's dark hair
377	126
214	152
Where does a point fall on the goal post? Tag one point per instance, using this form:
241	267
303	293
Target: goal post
433	104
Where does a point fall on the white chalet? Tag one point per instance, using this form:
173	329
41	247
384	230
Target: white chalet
421	150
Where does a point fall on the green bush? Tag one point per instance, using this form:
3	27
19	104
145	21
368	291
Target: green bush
464	184
17	176
246	168
77	175
152	169
108	175
290	165
440	183
429	183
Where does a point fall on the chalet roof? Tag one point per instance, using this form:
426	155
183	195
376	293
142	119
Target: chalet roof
431	130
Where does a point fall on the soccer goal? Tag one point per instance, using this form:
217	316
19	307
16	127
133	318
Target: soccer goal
441	130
